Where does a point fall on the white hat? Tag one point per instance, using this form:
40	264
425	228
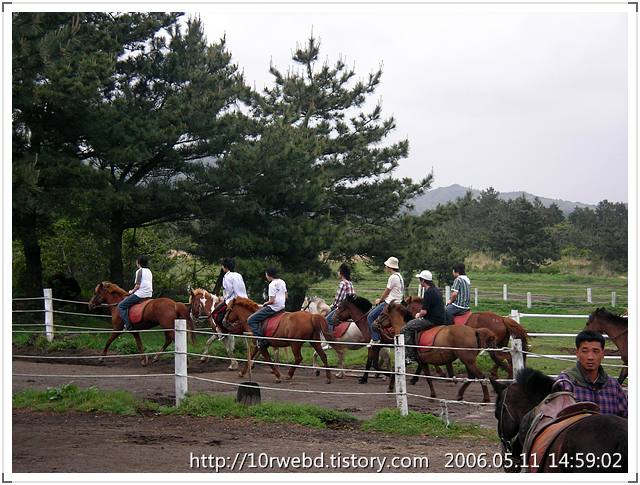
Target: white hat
392	263
425	275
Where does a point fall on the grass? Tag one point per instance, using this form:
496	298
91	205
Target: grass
71	398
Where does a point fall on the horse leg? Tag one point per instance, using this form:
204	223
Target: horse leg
449	369
314	362
473	372
425	368
229	345
623	374
145	358
414	378
365	376
274	369
323	356
297	354
114	335
245	368
168	339
340	354
210	340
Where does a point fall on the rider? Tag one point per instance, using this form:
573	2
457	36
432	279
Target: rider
345	287
460	293
587	379
143	289
275	304
232	285
431	314
394	292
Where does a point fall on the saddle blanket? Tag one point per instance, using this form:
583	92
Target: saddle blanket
427	337
135	312
271	324
462	318
340	329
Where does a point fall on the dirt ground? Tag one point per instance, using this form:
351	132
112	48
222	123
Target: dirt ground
76	442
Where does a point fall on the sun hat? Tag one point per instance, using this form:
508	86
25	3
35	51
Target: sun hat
425	275
392	263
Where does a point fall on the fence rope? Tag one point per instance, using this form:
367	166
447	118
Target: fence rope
82	314
93	376
449	401
80	357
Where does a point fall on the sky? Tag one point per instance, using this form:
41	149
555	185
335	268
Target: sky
513	98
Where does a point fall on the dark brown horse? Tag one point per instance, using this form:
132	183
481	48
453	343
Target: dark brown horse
458	337
294	325
616	327
587	443
502	327
159	311
357	308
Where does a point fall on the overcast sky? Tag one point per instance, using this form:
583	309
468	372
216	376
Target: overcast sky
517	100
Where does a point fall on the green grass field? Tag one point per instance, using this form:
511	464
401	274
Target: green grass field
565	294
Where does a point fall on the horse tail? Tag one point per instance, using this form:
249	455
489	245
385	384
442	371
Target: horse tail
183	313
485	338
320	324
516	331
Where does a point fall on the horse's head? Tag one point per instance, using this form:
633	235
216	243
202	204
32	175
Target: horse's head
305	305
201	302
106	292
601	318
394	315
413	304
514	401
238	310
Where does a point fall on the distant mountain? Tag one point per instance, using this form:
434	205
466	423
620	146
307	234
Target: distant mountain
441	195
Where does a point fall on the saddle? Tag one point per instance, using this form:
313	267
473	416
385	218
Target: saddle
270	325
554	414
426	338
462	318
340	329
135	312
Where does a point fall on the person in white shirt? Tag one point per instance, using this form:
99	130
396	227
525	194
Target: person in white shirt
394	292
143	289
232	287
275	303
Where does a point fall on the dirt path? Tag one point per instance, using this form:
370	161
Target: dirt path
75	442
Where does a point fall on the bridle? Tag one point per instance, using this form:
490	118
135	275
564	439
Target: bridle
506	444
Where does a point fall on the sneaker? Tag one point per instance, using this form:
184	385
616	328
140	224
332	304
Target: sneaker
325	346
372	342
409	361
263	344
127	326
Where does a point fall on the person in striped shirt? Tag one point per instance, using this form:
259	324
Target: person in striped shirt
460	293
345	287
588	381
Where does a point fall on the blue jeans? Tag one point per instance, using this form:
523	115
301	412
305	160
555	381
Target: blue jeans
123	308
256	319
331	316
373	314
452	310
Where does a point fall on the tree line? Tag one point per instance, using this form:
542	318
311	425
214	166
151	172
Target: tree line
133	133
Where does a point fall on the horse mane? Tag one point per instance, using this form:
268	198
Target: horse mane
604	313
534	383
245	303
201	290
112	287
361	303
402	308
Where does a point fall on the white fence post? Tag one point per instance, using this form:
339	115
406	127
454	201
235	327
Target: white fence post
48	313
515	314
504	292
475	294
447	293
613	298
420	291
528	299
401	378
516	355
589	298
180	359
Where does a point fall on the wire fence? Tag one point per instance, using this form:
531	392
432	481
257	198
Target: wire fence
181	375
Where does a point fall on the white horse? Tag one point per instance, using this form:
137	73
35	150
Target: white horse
202	304
349	339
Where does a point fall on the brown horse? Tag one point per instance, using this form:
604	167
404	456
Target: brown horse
617	328
159	311
460	336
502	327
294	325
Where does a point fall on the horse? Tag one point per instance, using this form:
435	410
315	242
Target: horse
395	316
344	338
529	414
293	325
502	327
357	308
315	304
157	311
202	304
617	328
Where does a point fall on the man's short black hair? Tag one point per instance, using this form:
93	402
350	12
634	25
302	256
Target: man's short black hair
345	271
143	261
273	272
229	263
459	268
589	336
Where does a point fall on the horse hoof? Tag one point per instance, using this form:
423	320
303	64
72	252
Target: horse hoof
240	374
339	376
277	381
328	381
360	381
288	378
317	373
203	359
